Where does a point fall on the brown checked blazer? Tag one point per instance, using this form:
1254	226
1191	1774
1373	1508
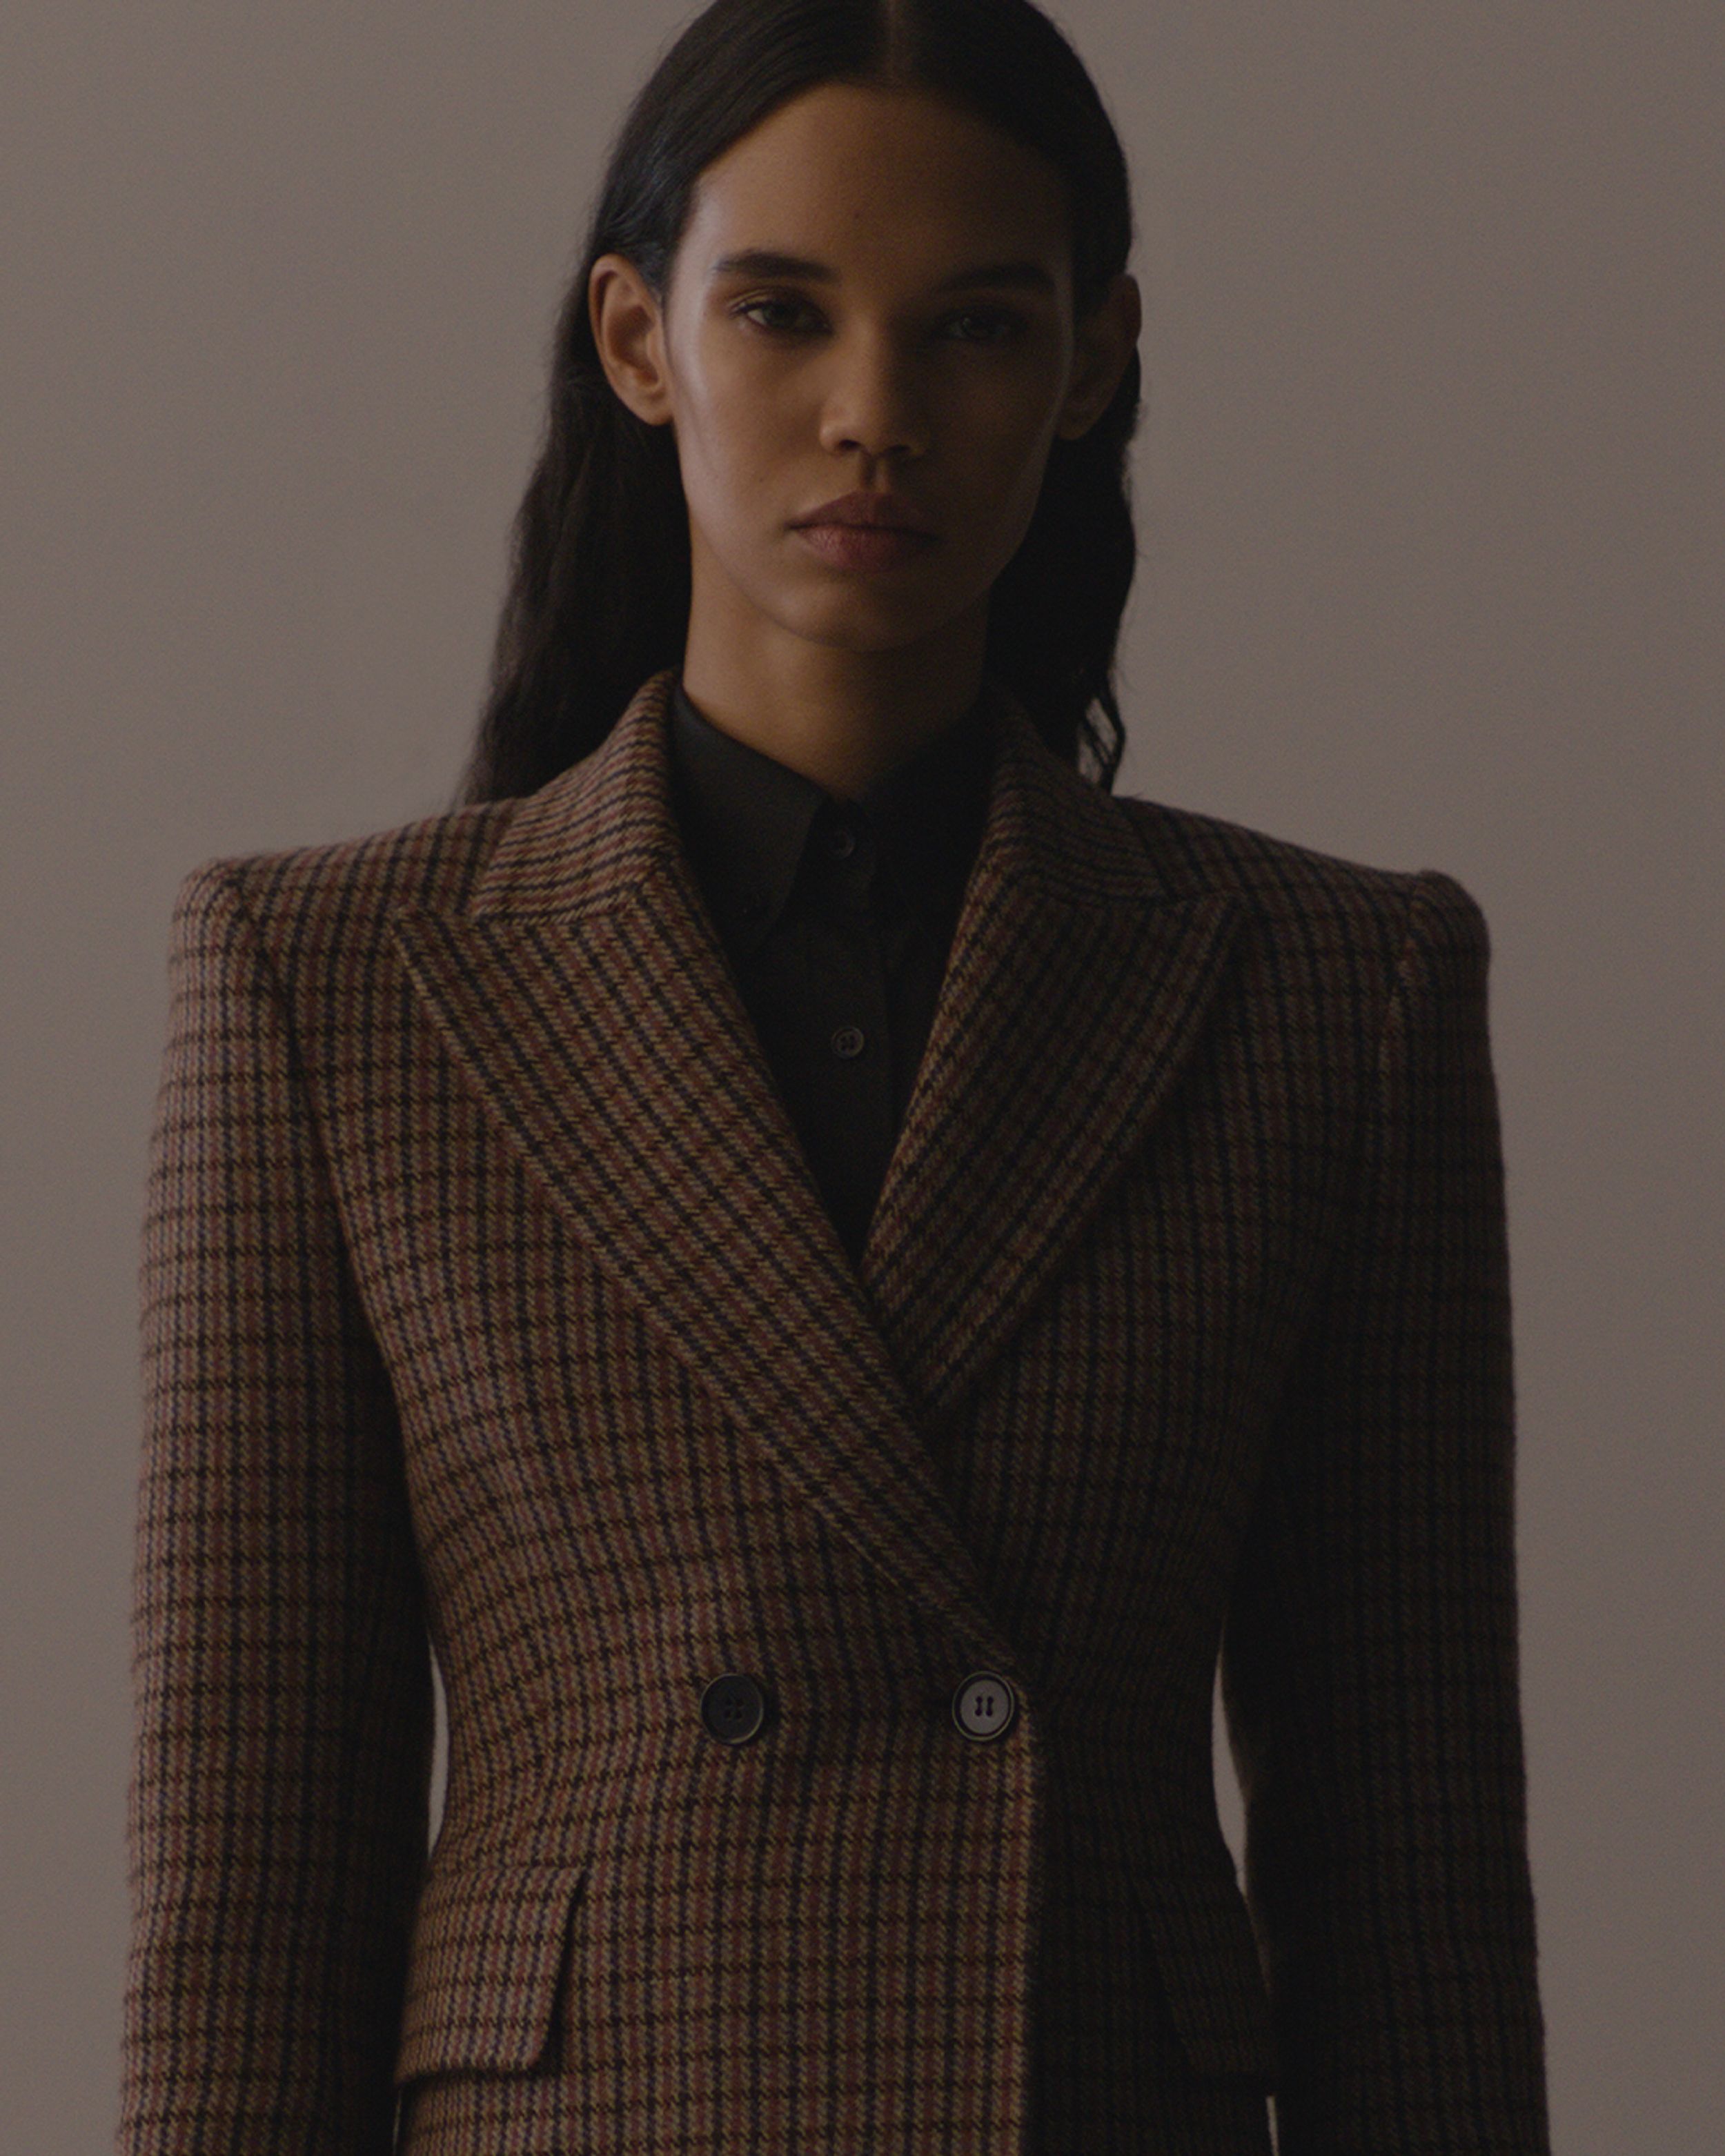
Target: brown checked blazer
487	1298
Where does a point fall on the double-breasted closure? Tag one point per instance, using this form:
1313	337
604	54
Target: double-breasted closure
487	1296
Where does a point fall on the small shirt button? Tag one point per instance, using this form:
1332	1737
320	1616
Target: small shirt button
733	1708
984	1706
848	1040
841	842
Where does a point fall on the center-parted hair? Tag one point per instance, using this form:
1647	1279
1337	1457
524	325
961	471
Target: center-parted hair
598	589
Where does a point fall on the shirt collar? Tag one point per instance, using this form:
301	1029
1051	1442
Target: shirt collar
748	817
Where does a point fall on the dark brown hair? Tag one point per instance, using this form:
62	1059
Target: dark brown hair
599	583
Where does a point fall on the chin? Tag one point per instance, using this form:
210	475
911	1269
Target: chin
872	615
879	629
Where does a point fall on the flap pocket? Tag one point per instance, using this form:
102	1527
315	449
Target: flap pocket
1208	1954
487	1948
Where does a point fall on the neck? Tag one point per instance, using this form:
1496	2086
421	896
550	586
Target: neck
843	718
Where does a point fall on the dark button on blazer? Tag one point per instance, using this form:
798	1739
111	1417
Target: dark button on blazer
487	1296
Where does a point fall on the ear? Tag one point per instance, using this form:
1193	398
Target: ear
1103	343
629	329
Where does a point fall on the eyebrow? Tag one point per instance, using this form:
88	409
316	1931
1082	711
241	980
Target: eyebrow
770	262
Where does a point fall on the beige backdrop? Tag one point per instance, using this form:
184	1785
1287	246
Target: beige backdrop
1430	488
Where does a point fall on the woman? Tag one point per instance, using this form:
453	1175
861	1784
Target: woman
830	1264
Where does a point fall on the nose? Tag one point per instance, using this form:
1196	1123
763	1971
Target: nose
873	401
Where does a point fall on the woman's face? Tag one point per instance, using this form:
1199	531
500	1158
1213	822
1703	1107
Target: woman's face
917	338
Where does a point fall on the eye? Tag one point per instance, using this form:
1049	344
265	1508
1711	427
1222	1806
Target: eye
1000	325
750	308
1006	326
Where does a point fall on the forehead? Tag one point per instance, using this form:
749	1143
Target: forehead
865	178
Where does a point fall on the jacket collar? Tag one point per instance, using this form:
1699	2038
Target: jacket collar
582	992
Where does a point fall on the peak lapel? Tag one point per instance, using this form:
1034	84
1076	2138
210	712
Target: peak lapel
582	992
1075	992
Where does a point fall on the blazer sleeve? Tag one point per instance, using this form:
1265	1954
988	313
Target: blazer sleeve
1369	1667
278	1801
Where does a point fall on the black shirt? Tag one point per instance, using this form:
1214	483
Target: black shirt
836	917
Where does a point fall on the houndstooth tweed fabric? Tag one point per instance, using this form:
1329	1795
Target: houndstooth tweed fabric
488	1300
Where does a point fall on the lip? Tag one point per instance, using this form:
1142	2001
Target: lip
870	511
864	547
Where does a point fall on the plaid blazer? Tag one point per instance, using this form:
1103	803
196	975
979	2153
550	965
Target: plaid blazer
487	1300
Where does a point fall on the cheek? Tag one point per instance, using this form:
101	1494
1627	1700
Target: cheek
1022	420
993	431
733	426
1005	456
